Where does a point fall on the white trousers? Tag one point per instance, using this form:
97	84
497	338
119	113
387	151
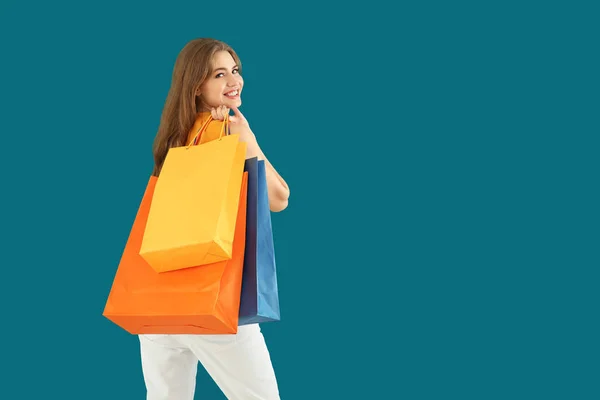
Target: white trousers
239	364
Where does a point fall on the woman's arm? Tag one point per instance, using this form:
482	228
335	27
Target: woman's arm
279	192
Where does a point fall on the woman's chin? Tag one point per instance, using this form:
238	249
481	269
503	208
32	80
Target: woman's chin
233	102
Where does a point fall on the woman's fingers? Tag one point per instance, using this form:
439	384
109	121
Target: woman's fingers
219	113
224	112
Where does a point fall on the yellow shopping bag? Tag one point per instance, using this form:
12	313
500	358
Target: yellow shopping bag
193	214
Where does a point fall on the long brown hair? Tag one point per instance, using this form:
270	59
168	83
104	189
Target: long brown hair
192	67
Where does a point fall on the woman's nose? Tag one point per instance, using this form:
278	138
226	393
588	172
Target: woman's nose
232	81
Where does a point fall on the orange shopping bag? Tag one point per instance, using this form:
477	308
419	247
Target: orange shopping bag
192	217
199	300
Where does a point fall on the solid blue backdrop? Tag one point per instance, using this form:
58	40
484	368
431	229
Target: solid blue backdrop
438	242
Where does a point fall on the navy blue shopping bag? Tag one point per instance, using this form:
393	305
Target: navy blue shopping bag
259	300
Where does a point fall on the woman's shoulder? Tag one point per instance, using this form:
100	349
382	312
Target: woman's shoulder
211	131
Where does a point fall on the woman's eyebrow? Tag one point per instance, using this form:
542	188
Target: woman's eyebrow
223	68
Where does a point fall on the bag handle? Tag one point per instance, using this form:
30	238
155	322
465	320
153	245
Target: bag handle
203	127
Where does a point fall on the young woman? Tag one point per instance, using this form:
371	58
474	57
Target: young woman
206	82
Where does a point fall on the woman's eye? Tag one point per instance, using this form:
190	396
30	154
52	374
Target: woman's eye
220	74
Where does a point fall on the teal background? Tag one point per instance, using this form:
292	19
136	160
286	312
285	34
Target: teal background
442	236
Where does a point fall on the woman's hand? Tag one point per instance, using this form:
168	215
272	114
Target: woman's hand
238	124
219	113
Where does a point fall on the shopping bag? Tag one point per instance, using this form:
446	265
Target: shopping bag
192	216
259	298
199	300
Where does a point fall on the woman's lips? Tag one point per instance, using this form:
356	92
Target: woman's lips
233	94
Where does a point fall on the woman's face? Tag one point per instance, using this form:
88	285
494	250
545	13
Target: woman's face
224	85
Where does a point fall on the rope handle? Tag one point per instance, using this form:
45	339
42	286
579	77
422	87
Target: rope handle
203	127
